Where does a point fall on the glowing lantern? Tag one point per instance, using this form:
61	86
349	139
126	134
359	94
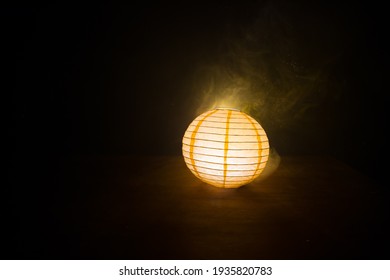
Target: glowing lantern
225	148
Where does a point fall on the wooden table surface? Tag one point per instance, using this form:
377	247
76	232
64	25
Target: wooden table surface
154	208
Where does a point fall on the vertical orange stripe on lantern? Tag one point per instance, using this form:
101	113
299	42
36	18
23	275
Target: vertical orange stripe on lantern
225	148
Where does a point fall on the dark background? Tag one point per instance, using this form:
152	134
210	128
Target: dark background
127	80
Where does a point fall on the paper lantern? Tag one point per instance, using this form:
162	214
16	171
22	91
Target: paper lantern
225	148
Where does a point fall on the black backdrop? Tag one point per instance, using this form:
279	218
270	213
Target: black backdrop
124	80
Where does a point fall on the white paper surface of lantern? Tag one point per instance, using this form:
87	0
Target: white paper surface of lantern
225	148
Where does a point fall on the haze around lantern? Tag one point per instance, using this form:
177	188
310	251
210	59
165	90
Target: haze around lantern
261	69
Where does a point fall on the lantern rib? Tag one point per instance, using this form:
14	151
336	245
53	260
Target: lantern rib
201	154
225	165
193	138
223	117
222	127
216	169
230	176
234	142
220	149
238	164
230	122
213	133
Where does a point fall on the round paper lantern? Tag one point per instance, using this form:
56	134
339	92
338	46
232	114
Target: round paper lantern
225	148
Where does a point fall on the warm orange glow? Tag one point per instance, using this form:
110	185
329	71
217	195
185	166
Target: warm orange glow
225	148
